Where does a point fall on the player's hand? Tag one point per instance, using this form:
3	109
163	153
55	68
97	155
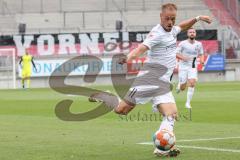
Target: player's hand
206	19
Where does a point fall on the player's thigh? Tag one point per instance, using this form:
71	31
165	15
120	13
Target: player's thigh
29	73
192	77
24	74
182	76
131	99
165	104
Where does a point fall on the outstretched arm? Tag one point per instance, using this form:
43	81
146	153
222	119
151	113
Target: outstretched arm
141	49
185	25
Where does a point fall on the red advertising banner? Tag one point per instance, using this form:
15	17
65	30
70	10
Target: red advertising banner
101	44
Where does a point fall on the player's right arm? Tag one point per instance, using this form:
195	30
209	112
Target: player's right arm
152	39
141	49
33	64
20	62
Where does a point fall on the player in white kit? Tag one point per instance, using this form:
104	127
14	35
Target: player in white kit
161	46
188	51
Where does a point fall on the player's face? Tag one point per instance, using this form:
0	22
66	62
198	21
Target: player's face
168	18
192	33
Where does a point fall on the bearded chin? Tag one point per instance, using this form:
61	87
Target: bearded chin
192	38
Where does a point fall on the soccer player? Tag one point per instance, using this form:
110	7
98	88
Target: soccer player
25	63
161	46
188	51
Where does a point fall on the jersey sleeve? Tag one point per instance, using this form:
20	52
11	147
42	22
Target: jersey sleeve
176	30
152	39
201	51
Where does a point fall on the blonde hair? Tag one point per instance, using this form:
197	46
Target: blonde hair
170	6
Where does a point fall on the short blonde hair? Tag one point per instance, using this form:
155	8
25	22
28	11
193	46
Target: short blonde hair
170	6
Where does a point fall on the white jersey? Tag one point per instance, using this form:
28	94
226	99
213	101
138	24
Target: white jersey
162	46
191	50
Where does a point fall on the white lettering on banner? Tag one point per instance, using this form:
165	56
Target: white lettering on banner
47	49
141	36
67	44
89	45
46	67
22	46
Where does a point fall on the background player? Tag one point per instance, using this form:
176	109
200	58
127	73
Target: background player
188	51
26	63
161	46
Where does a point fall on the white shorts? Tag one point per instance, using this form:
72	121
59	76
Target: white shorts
166	98
154	87
186	74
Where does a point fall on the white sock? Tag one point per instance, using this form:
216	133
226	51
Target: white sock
190	93
167	123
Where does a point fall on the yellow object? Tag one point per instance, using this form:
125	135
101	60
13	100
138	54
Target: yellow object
27	66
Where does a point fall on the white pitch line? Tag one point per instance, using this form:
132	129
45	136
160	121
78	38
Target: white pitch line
202	148
207	139
210	149
196	140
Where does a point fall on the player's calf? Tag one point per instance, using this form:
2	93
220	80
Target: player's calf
112	101
191	83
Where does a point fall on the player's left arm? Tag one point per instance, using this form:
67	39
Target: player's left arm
33	64
202	59
185	25
201	52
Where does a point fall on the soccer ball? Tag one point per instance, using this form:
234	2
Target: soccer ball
164	140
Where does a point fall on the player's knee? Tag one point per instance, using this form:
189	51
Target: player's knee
192	85
183	86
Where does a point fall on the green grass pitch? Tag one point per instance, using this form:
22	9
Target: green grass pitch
29	129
